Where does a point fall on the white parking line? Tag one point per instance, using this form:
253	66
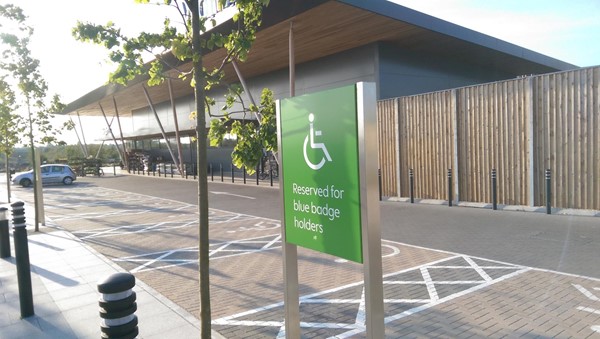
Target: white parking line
357	326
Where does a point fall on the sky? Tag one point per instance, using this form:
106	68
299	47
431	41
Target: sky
568	30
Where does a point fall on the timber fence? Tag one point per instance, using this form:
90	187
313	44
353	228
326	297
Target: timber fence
519	128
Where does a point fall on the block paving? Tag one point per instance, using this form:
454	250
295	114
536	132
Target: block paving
428	293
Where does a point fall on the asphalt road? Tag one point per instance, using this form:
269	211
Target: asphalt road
561	243
262	201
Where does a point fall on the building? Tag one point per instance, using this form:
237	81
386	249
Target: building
335	43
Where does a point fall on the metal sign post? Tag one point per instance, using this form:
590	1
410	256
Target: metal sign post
329	160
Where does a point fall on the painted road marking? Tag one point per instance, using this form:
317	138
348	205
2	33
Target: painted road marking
592	297
588	309
457	265
585	292
114	199
189	256
233	195
429	284
134	229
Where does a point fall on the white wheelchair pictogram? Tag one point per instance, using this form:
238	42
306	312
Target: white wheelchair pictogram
311	137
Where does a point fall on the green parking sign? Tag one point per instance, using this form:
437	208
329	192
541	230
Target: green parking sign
320	171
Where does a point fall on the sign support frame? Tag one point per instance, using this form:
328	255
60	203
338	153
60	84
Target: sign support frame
291	294
368	157
368	160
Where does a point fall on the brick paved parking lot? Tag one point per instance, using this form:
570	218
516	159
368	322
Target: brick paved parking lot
428	293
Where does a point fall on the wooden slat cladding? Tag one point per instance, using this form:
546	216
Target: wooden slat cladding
493	134
426	140
387	118
567	140
519	127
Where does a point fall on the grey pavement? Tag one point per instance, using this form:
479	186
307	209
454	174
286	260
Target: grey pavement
64	274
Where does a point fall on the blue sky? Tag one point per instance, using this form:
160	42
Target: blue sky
568	30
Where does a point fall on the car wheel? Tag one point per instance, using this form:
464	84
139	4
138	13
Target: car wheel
67	180
25	182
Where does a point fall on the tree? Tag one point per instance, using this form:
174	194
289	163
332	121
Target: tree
8	126
17	61
252	140
188	43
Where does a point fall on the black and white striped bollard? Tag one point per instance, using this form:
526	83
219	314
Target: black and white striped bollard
22	259
118	306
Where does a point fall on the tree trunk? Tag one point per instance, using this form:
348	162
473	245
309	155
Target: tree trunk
34	164
203	259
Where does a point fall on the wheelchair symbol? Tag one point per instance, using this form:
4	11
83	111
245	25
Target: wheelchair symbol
311	135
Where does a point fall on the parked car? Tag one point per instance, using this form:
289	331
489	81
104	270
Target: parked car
52	173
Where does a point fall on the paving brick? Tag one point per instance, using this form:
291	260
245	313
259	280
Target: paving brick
147	235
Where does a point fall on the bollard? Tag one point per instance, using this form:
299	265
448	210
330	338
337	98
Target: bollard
548	192
257	173
379	178
221	170
494	191
22	259
244	170
114	170
411	184
212	174
118	306
165	169
4	236
185	168
449	187
271	175
171	166
194	166
232	174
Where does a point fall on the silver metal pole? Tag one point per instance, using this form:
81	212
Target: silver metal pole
291	292
86	153
124	160
371	229
110	130
290	251
177	138
162	130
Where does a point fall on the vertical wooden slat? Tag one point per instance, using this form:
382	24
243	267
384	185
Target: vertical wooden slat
531	154
388	151
520	127
595	122
404	144
578	135
553	128
557	185
583	138
454	120
477	137
397	130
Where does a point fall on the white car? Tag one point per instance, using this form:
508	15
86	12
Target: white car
52	173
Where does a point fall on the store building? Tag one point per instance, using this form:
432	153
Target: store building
335	43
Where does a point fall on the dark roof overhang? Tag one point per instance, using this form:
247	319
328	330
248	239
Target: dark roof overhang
322	28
